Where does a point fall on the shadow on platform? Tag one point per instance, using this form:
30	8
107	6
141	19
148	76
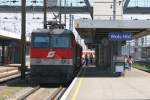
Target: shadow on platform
27	83
93	71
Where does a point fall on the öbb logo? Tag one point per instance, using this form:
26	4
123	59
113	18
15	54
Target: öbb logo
51	54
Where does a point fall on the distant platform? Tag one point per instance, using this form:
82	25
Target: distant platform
7	68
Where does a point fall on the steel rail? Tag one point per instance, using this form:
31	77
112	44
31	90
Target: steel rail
55	93
24	96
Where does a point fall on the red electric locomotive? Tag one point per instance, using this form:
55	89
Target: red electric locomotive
55	56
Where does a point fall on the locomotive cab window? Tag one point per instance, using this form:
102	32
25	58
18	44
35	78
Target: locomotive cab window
41	41
60	42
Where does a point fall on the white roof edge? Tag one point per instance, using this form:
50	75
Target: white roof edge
117	24
11	35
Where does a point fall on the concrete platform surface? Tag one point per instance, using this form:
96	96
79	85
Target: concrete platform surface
135	85
6	68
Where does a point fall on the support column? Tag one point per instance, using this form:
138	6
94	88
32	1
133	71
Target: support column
3	53
97	54
119	44
111	56
23	39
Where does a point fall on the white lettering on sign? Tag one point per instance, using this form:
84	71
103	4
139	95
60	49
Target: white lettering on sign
120	36
51	54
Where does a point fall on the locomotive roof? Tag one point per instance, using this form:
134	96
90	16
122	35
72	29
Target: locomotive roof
53	31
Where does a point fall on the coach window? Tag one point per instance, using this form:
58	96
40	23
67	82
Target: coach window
41	41
60	42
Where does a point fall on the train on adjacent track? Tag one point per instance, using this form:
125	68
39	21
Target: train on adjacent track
55	56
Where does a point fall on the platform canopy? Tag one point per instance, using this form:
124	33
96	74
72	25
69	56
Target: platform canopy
6	35
91	30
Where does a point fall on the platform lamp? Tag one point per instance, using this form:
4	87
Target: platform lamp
60	12
4	2
33	9
45	13
13	1
33	2
65	19
70	16
4	22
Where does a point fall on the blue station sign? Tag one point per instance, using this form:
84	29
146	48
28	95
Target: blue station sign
120	36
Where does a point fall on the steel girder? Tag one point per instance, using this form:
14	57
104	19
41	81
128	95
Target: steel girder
134	10
126	3
89	7
37	9
137	10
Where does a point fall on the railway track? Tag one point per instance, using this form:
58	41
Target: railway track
39	93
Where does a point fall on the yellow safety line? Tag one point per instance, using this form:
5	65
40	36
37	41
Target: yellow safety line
78	87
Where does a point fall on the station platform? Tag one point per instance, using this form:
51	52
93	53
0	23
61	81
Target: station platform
134	85
12	66
8	67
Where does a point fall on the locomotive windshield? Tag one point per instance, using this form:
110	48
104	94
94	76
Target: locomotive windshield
60	42
53	41
41	41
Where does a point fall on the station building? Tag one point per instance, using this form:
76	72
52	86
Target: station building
108	18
